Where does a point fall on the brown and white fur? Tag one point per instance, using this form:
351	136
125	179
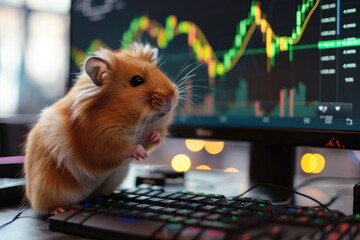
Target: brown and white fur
119	109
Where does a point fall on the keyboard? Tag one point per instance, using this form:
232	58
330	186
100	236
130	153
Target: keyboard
149	212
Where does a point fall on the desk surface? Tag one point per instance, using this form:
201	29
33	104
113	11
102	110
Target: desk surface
30	225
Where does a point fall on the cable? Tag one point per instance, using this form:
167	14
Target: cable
337	180
285	189
14	218
336	196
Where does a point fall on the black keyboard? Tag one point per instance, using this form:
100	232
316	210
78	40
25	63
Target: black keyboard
151	213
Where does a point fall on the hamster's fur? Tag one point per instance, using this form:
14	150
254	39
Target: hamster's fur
119	108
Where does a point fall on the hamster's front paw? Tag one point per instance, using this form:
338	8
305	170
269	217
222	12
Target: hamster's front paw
154	137
136	151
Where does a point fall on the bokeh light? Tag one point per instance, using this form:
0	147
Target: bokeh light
194	145
181	163
312	163
203	167
213	147
231	169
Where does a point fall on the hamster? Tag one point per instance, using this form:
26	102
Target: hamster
118	109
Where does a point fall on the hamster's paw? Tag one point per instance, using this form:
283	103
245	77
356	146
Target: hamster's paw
136	151
56	211
154	137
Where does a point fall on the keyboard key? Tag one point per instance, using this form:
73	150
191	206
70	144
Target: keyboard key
60	218
261	201
79	218
206	208
219	225
141	207
130	191
176	219
242	199
165	202
154	209
177	204
168	210
224	202
262	207
213	217
246	220
141	199
189	233
175	196
143	191
184	212
154	200
186	197
163	217
169	231
199	214
127	196
192	206
153	193
130	214
127	205
191	221
212	234
212	195
241	205
164	194
121	227
210	201
223	210
197	199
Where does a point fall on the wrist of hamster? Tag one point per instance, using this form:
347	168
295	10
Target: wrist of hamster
154	138
139	151
136	151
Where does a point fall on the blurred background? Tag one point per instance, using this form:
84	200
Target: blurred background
34	53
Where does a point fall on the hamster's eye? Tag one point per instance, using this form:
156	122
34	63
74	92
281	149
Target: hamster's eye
136	81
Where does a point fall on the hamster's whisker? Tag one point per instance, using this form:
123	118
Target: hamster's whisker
196	99
192	101
161	64
188	73
196	67
183	79
159	60
182	68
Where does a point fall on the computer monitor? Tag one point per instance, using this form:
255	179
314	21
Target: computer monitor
278	74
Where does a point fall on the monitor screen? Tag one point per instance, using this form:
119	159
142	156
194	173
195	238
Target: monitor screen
277	74
262	71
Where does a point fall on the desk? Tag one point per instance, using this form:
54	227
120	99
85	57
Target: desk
31	226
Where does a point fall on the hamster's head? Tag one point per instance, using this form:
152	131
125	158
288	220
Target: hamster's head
128	85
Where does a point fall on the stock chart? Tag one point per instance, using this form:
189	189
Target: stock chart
292	61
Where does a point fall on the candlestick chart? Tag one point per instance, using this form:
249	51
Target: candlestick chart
258	59
203	51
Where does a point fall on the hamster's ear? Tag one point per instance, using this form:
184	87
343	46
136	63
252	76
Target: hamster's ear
97	69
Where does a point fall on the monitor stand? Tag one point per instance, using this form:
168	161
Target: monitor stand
272	164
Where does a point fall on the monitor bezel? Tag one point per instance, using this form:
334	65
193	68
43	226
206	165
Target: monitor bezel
271	136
